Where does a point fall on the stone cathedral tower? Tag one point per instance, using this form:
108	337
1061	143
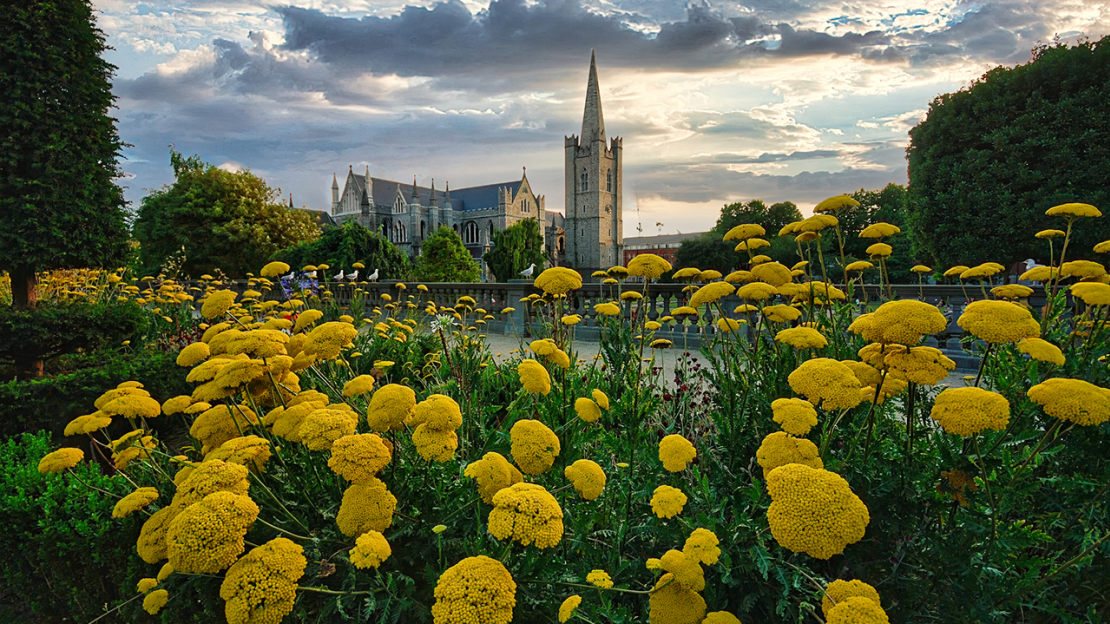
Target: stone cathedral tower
594	211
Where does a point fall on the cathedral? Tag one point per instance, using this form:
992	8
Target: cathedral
586	237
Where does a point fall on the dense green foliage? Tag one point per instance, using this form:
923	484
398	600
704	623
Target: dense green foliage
343	246
49	330
443	258
211	219
990	159
59	204
887	205
514	249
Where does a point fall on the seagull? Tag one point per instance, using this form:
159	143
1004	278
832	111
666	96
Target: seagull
291	275
1030	264
338	276
528	272
353	275
373	277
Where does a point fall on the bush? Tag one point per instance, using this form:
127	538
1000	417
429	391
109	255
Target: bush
46	331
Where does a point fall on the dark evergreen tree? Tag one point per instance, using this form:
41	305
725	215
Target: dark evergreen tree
514	249
341	247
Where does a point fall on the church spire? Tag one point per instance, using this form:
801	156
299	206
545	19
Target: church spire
593	123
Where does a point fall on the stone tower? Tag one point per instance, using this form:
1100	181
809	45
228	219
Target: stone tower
594	212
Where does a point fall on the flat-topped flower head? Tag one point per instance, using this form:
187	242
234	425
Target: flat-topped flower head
61	459
667	501
389	407
859	266
569	606
208	536
587	409
710	293
921	365
261	588
780	448
686	569
703	546
675	452
879	250
757	291
839	591
857	610
217	303
1041	350
1011	291
739	277
607	309
359	385
1092	293
879	230
999	321
1073	211
795	416
752	244
535	446
371	549
814	511
826	383
772	273
802	338
587	477
835	203
672	602
559	280
359	457
648	265
1082	269
601	398
493	473
526	513
476	590
1074	400
745	231
902	322
967	411
367	505
779	313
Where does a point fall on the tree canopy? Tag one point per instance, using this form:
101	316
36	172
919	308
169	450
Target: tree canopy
341	247
444	258
210	219
711	251
514	249
990	159
59	204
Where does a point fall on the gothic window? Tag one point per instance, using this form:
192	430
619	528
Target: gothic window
423	235
455	227
609	180
398	234
525	205
490	239
585	180
470	233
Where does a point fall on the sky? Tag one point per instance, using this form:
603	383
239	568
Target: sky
780	100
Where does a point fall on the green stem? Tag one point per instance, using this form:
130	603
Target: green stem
990	497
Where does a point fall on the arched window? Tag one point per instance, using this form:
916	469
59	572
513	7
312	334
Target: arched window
562	244
470	233
490	239
455	227
585	180
609	180
423	235
386	228
399	234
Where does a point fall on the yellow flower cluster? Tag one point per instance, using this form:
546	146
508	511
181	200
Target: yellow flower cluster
327	340
207	478
534	377
999	321
920	365
558	280
967	411
780	313
526	513
193	354
772	273
814	511
217	303
795	416
672	602
208	536
219	424
89	423
359	385
744	231
435	420
1082	269
567	609
1092	293
857	610
648	265
826	383
675	452
1073	400
535	446
901	322
686	569
839	591
587	409
134	501
802	338
371	549
720	617
493	473
359	457
147	584
322	427
588	478
251	451
710	293
476	590
155	600
61	459
667	501
780	448
703	546
367	506
607	309
262	586
390	406
599	578
151	544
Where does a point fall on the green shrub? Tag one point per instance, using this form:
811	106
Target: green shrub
52	329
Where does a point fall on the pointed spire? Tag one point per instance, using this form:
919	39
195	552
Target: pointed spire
447	193
290	200
433	199
334	182
415	192
593	123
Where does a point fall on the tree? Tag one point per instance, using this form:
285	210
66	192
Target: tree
990	159
711	251
216	220
443	258
59	204
343	246
514	249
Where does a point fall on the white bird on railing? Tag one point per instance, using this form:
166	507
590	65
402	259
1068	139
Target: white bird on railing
1031	264
373	277
338	276
528	272
353	275
290	276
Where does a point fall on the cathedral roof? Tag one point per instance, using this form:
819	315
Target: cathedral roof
477	197
473	198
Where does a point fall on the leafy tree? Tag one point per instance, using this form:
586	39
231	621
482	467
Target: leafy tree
990	159
212	219
443	258
59	204
711	251
514	249
772	217
343	246
886	205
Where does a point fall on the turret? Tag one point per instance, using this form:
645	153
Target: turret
334	194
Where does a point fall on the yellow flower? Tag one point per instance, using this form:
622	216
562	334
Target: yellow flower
1041	350
856	610
682	312
879	230
526	513
193	354
667	502
720	617
207	536
814	511
839	591
780	313
686	569
165	572
261	588
902	322
999	321
1011	291
359	457
328	339
859	265
688	273
602	400
835	203
274	269
1092	293
751	244
558	280
826	383
728	325
1073	400
920	365
661	343
155	600
435	444
151	544
757	291
587	410
567	609
371	549
653	564
879	250
703	546
739	277
132	406
986	269
631	295
967	411
534	446
476	590
1103	247
710	293
921	268
1073	210
607	309
217	303
1082	269
780	448
672	603
305	319
176	405
359	385
956	271
438	411
571	319
802	338
1050	233
795	416
60	460
675	452
493	473
618	272
390	406
367	505
648	265
439	528
652	325
220	424
772	273
559	358
745	231
599	578
322	427
134	501
534	377
588	478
